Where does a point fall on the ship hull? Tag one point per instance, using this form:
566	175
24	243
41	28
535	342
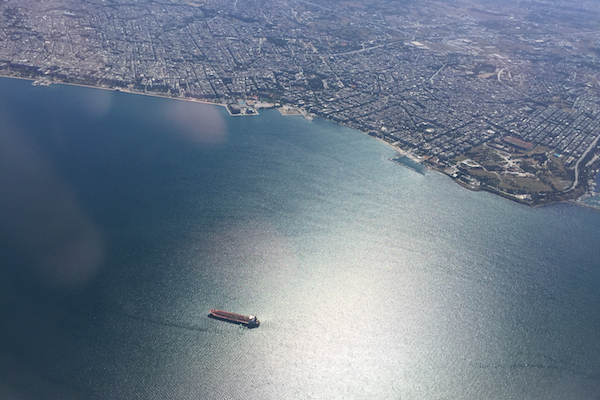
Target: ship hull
247	321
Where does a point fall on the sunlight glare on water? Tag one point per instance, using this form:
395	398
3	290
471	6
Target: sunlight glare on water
370	280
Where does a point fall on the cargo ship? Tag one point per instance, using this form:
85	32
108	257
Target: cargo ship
248	321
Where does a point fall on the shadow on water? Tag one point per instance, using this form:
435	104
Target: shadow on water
410	164
155	321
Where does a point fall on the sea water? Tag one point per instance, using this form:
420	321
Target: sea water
125	218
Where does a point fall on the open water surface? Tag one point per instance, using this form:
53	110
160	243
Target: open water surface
124	218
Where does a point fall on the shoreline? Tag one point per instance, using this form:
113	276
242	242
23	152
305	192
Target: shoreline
405	153
283	110
287	111
117	90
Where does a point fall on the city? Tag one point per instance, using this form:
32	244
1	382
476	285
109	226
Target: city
503	98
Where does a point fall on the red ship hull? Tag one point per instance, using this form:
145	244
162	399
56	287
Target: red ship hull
249	321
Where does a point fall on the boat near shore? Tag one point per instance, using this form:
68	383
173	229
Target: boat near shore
247	321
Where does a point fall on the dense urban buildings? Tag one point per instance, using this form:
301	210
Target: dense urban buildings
499	95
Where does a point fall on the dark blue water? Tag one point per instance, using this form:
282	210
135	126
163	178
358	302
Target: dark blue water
124	218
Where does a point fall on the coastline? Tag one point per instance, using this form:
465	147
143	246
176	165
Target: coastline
123	90
405	153
286	110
